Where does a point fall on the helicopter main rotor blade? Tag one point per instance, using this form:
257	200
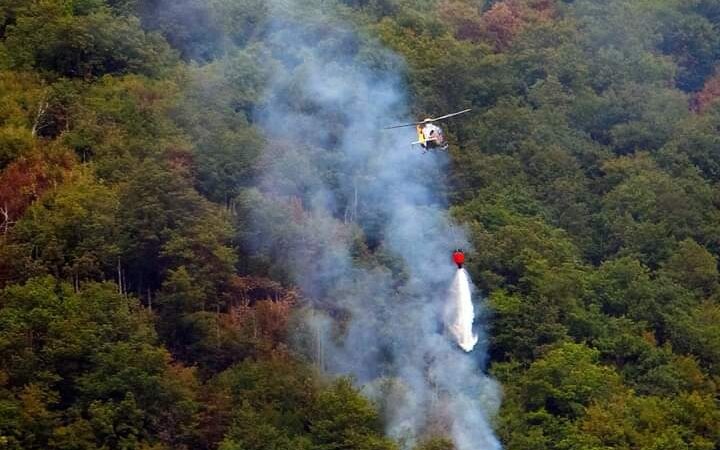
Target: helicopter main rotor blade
446	116
403	125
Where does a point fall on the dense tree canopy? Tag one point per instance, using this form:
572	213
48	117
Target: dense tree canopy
139	308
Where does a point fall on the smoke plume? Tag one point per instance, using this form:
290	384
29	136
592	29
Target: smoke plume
332	181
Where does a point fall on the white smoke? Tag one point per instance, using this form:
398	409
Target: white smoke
331	175
459	313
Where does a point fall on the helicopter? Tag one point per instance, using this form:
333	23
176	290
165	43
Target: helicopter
430	136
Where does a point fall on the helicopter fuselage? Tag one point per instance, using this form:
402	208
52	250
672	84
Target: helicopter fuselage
431	137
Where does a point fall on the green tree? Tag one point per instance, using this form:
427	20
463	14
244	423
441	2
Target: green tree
88	363
165	223
72	233
83	40
693	267
566	380
280	404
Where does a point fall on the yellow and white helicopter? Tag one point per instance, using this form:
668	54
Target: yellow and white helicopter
430	136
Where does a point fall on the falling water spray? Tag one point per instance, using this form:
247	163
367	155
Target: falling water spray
459	311
360	222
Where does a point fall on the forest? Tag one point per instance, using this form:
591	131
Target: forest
163	254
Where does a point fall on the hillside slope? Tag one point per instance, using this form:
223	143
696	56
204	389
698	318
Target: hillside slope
148	299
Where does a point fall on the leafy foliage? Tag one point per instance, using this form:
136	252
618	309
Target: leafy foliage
141	309
84	369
